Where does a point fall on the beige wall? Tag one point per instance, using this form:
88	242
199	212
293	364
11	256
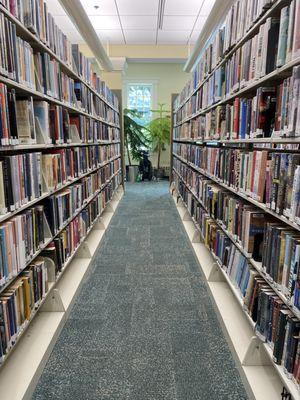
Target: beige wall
168	77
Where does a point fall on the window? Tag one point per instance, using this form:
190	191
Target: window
140	97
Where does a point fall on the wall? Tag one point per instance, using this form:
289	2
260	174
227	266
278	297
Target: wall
149	62
146	51
170	79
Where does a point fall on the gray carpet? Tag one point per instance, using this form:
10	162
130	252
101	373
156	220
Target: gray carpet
143	326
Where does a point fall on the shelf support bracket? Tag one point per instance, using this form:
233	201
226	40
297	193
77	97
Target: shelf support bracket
84	251
109	208
186	217
256	354
53	303
215	274
99	226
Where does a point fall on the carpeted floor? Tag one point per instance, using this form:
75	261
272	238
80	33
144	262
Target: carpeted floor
143	326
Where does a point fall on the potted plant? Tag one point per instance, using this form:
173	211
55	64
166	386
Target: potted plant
159	129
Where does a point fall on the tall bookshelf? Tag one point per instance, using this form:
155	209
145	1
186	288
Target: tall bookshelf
235	152
58	188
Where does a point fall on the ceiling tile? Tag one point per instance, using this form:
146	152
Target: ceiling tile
137	7
105	7
173	37
140	37
200	22
112	36
105	22
179	23
187	7
139	22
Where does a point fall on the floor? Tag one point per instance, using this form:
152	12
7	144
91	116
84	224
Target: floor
143	326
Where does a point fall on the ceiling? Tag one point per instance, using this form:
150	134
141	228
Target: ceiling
136	21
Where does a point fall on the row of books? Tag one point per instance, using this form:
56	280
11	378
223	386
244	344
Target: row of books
270	178
34	15
21	299
24	234
59	167
35	174
38	71
273	46
273	111
275	324
246	118
239	19
193	129
28	121
84	68
62	247
261	237
60	207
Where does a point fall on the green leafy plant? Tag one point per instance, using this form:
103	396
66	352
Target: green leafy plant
159	129
136	136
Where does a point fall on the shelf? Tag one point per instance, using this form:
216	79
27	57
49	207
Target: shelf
250	33
51	286
242	195
37	43
26	360
42	96
230	314
38	146
49	240
45	195
282	140
255	264
279	73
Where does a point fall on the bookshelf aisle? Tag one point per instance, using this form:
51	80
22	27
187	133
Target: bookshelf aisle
236	180
60	183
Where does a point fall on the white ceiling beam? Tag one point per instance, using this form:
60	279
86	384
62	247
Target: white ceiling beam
215	18
82	22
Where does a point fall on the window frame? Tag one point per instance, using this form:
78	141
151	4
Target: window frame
147	82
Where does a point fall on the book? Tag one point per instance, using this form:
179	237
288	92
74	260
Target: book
283	36
296	38
25	121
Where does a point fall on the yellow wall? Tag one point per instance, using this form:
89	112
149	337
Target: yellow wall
143	51
114	79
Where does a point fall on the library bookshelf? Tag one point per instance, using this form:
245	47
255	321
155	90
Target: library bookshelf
214	131
78	132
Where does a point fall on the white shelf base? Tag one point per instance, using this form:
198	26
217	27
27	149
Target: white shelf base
262	380
239	332
22	370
